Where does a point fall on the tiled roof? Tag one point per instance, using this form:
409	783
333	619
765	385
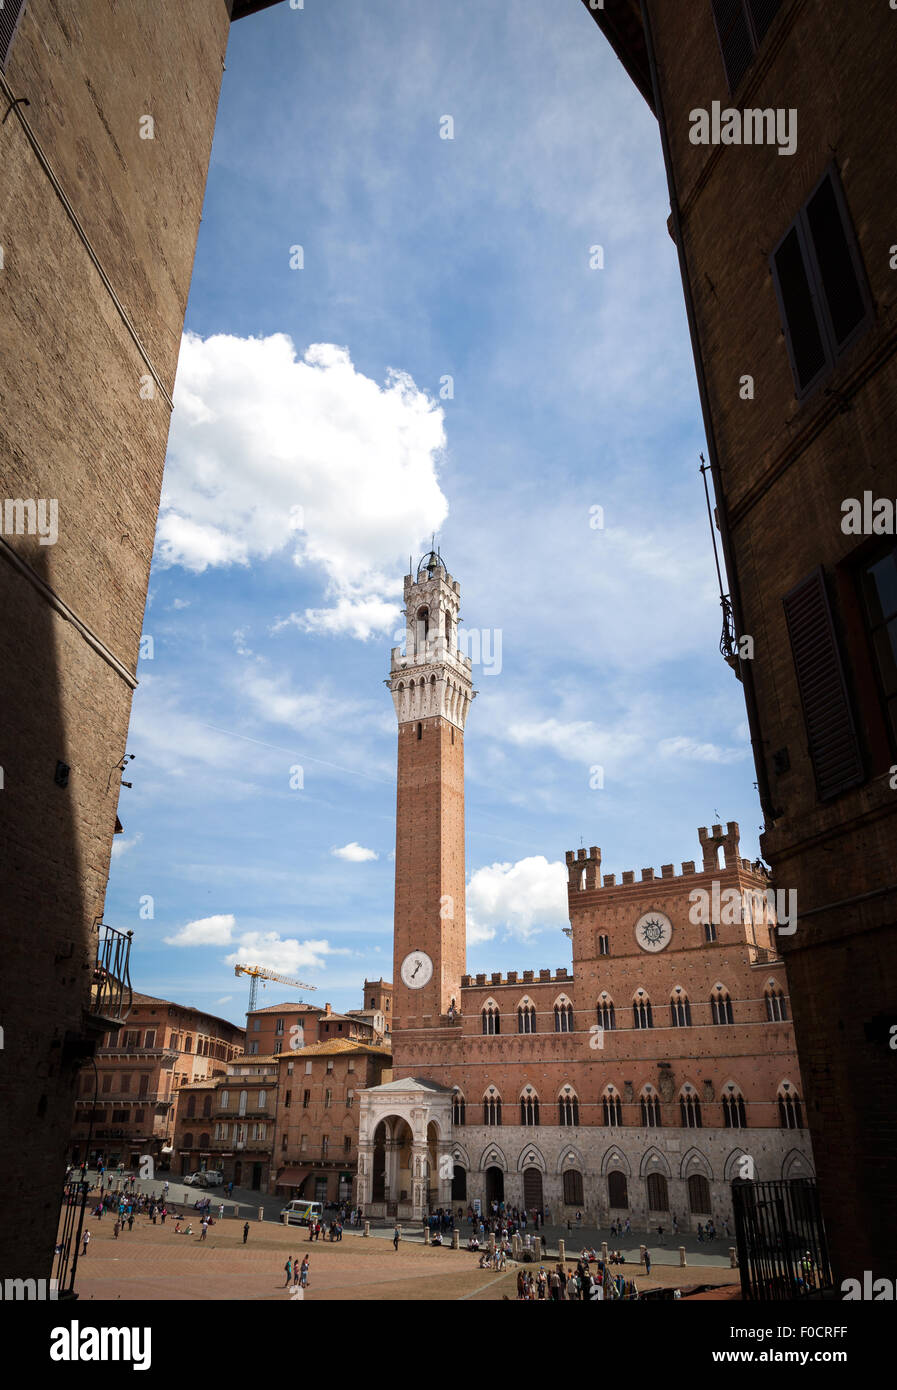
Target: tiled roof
335	1046
294	1006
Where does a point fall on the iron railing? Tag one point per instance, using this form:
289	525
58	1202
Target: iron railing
111	996
74	1199
782	1248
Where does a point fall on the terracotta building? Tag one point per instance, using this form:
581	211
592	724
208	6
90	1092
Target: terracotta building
228	1123
775	124
280	1027
109	115
640	1081
125	1108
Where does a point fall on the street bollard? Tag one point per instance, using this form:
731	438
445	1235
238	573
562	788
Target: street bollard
367	1228
515	1246
641	1254
426	1235
604	1251
562	1252
491	1242
456	1239
261	1213
537	1248
733	1257
682	1260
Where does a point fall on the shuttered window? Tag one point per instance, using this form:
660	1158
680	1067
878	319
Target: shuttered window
741	26
10	14
823	296
831	735
879	583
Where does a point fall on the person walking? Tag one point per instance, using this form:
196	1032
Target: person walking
204	1228
221	1212
660	1235
245	1232
395	1239
85	1241
162	1215
289	1269
116	1228
303	1274
647	1262
130	1220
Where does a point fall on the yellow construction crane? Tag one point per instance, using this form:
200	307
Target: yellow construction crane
258	972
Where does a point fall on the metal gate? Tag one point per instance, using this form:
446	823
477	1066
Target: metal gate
782	1250
74	1199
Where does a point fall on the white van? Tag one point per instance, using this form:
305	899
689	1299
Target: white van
301	1212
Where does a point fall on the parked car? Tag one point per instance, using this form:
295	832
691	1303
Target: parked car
213	1178
300	1212
194	1179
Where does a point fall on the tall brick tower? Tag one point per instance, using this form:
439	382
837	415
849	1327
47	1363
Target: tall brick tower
431	690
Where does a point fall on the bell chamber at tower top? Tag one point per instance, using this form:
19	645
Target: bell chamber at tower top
431	677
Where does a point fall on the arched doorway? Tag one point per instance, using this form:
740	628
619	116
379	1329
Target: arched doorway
392	1163
658	1192
617	1191
459	1183
532	1189
495	1186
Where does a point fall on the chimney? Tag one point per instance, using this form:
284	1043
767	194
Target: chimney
328	1009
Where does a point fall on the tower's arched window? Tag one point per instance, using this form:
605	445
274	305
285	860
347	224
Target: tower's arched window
492	1107
423	626
612	1107
690	1108
526	1016
642	1016
563	1015
650	1103
607	1014
721	1006
734	1116
529	1108
680	1009
448	629
790	1114
459	1108
491	1018
568	1107
776	1004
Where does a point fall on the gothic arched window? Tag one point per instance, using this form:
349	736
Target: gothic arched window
563	1016
568	1107
612	1107
650	1103
680	1009
491	1019
607	1014
642	1016
790	1114
492	1107
529	1109
526	1017
458	1108
721	1006
573	1188
776	1004
690	1109
734	1116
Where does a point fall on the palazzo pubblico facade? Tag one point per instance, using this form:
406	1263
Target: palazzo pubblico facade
638	1083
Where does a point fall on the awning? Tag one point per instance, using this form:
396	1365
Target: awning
293	1177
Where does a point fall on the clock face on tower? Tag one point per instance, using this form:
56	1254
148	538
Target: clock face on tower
653	931
416	970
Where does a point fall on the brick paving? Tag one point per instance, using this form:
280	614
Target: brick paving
151	1262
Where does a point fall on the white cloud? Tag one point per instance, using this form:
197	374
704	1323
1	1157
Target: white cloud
269	451
225	999
205	931
578	741
690	749
353	853
521	897
286	955
120	847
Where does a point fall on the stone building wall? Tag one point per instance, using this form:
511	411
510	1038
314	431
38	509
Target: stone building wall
76	430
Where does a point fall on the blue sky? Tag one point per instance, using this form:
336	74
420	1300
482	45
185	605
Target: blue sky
316	443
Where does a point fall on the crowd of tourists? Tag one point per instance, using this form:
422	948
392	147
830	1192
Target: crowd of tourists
582	1283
